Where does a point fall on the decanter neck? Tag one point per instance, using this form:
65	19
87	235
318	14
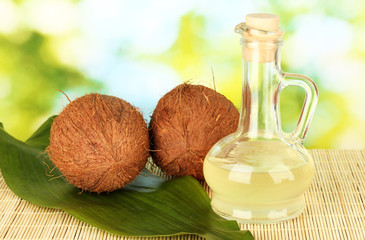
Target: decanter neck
258	117
261	41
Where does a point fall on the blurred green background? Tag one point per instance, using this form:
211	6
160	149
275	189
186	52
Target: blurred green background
139	50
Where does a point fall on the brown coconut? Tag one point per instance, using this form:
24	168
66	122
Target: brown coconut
99	143
186	123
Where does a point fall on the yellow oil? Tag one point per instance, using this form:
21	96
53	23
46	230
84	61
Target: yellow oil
259	181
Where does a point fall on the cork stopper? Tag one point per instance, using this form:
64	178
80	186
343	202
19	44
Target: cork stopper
263	21
261	35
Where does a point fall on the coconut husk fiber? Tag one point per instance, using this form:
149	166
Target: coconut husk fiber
99	143
186	123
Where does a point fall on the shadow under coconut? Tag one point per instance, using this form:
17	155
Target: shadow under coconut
145	182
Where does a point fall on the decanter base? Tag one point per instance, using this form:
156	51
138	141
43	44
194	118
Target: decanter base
260	214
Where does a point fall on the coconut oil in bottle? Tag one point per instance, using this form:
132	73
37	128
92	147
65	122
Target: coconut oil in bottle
266	184
259	173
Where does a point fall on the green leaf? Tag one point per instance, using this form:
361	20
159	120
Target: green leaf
150	206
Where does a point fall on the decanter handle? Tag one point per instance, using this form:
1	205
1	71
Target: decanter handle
309	105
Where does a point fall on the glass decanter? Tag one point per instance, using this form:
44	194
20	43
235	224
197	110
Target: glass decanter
259	173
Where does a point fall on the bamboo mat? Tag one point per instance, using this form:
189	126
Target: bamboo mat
335	209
